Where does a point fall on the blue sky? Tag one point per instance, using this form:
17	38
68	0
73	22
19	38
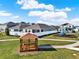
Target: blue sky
40	11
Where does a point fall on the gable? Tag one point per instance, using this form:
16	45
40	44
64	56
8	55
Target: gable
28	36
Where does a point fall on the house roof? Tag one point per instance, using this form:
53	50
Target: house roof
34	26
20	26
9	24
55	27
39	26
65	24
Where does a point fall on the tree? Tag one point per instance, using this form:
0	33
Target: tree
7	31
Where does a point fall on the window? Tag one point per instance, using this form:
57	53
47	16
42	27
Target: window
29	31
38	30
33	31
26	30
20	30
42	30
15	29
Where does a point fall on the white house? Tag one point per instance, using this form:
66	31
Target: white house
3	27
6	25
76	28
18	29
67	27
37	29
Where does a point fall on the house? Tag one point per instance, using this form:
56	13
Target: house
55	27
76	28
28	42
67	27
10	24
18	29
3	27
37	29
6	25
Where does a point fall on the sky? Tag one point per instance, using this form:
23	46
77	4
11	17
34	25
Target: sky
51	12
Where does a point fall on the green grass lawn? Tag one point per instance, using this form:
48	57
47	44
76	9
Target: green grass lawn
4	36
8	50
56	36
8	37
49	42
52	36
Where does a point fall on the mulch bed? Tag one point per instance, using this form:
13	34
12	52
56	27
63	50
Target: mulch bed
70	36
76	46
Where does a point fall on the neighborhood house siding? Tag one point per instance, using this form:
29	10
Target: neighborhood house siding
26	30
38	29
35	31
2	28
66	27
15	29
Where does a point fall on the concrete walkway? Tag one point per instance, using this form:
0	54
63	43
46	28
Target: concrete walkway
73	46
9	40
68	46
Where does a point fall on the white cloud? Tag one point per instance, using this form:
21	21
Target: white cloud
65	9
7	14
4	13
33	4
53	21
50	15
74	21
46	15
15	17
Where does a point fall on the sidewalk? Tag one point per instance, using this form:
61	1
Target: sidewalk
68	46
9	40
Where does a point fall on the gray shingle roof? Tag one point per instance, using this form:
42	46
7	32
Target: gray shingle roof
55	27
35	26
64	24
20	26
38	26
